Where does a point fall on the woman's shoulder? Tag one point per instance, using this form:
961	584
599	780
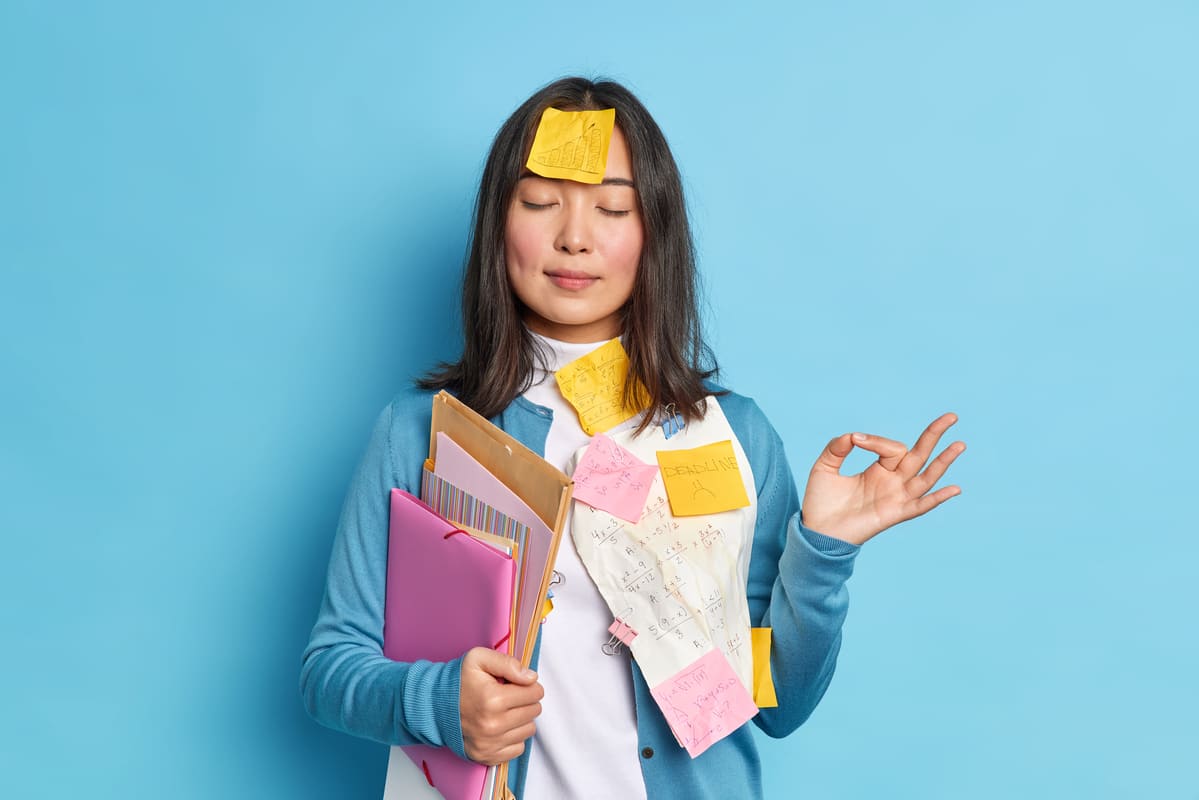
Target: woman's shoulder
408	416
746	418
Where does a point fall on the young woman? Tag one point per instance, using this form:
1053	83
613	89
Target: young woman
556	268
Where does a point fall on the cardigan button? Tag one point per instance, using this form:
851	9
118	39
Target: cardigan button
647	752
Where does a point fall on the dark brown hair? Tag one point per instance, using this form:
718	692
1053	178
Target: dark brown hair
661	321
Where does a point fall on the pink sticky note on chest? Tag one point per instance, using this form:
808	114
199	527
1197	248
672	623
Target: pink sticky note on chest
704	702
612	479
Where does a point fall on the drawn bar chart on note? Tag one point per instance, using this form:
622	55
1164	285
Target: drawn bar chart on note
572	145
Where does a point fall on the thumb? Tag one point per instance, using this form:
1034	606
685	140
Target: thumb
833	455
499	665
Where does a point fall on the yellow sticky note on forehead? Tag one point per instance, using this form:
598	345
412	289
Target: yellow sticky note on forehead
702	480
594	385
572	145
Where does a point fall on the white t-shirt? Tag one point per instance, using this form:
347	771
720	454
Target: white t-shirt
586	742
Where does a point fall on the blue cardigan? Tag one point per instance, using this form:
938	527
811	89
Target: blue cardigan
796	586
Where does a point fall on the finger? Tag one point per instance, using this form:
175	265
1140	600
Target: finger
501	748
928	479
499	665
914	461
504	728
890	452
497	728
925	504
833	456
513	746
515	696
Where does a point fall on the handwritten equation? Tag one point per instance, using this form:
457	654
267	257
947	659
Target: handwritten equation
704	702
612	479
678	580
595	386
678	577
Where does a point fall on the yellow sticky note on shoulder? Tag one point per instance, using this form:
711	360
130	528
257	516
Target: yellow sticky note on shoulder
763	692
594	385
572	145
702	480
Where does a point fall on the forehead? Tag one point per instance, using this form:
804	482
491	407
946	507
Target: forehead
620	158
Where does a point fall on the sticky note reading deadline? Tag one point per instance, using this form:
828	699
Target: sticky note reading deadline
764	696
703	480
572	145
594	385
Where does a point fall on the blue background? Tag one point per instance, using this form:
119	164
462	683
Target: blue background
230	231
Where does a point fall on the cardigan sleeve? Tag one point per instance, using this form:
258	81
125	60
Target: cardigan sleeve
345	680
796	581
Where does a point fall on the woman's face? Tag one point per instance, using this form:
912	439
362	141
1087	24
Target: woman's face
572	249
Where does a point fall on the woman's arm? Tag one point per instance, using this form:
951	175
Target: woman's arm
796	578
346	681
481	705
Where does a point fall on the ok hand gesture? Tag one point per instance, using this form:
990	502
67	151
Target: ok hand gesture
855	508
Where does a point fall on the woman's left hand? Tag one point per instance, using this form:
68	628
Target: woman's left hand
855	508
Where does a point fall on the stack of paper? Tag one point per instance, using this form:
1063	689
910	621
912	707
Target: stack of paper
489	528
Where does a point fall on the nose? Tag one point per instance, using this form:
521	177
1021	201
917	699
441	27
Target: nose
574	234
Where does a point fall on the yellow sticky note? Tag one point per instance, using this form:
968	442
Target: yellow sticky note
572	144
703	480
763	693
594	385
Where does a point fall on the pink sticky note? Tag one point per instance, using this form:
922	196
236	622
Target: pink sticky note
704	702
612	479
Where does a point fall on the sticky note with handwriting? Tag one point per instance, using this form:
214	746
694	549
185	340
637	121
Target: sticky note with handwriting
594	385
704	702
612	479
572	145
702	480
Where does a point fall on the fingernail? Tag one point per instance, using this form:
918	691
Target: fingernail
860	437
530	674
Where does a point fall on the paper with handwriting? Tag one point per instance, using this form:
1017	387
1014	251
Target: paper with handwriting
594	386
679	582
704	702
702	480
612	479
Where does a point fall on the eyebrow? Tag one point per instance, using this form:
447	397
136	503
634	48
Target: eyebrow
604	182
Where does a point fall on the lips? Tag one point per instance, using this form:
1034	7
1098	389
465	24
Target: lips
570	279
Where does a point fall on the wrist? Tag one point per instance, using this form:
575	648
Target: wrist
830	528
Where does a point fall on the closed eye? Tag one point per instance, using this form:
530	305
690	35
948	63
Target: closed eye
613	212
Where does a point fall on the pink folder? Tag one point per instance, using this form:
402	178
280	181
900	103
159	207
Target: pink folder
446	593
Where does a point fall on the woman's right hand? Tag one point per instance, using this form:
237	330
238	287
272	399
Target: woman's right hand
498	700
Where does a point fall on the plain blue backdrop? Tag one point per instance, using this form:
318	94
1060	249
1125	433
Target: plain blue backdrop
230	231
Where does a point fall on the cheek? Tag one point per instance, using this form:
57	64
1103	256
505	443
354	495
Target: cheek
625	252
521	246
